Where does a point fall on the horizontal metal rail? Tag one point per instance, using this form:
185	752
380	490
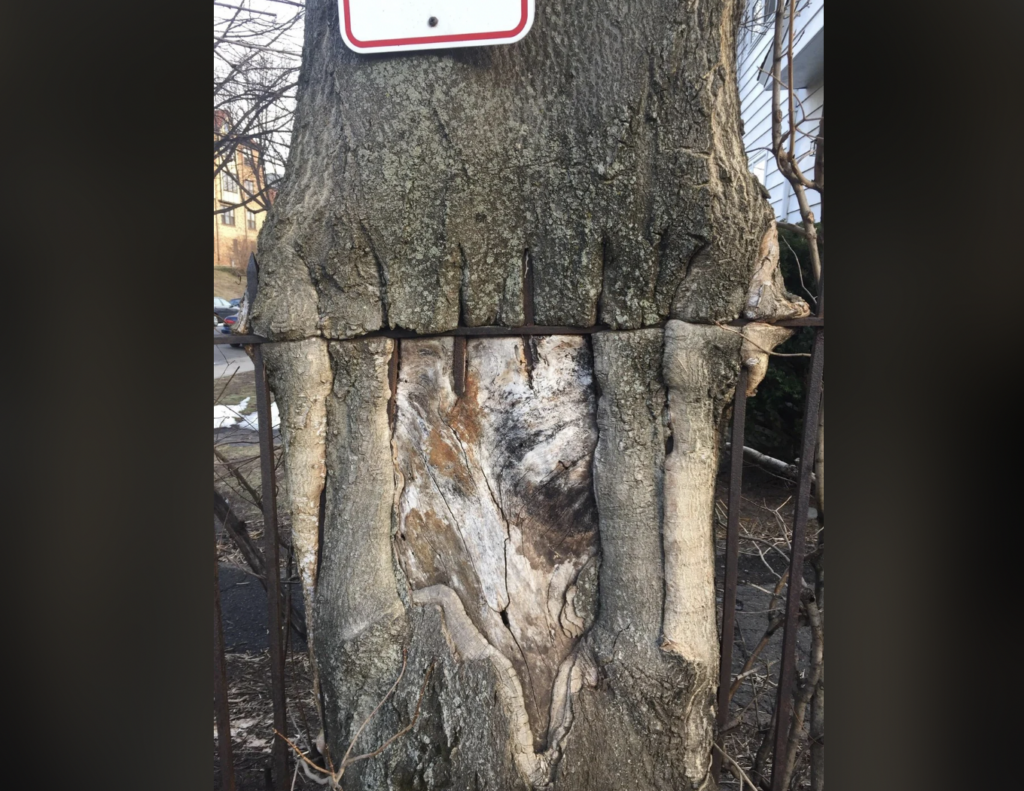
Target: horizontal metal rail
787	671
508	332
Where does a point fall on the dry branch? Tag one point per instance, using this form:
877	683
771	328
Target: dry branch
334	777
771	464
236	473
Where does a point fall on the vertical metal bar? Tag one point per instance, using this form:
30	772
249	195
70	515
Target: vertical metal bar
459	365
270	549
527	289
732	540
220	687
393	387
528	311
784	703
821	293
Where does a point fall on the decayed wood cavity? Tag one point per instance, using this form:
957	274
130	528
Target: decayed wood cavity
497	502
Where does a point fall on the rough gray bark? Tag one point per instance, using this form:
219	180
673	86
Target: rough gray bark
300	375
360	621
528	536
604	147
643	719
552	671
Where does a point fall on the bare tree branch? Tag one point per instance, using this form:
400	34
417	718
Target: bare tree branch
256	62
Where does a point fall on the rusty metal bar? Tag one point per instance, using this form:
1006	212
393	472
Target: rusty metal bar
806	321
272	556
732	542
487	332
784	702
506	332
220	687
393	385
459	365
528	289
245	339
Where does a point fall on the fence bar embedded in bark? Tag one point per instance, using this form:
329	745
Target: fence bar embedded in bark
732	542
503	332
788	667
269	495
784	703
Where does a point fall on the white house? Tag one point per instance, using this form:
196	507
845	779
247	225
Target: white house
754	57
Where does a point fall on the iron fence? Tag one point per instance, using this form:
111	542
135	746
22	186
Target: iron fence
787	671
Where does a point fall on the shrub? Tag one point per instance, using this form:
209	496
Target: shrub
775	414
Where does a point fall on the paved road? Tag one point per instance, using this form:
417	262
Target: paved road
243	604
226	360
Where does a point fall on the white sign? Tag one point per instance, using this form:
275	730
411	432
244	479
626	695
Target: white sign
369	26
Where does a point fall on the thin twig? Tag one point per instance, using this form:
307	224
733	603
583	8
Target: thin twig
257	499
231	378
759	346
404	730
405	659
335	776
743	775
773	626
800	269
301	754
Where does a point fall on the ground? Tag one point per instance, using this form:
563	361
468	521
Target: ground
766	522
244	610
228	283
234	387
227	360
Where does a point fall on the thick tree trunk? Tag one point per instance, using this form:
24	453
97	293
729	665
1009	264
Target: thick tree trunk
531	517
604	148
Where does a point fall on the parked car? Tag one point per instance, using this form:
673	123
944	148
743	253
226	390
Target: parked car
229	324
236	303
222	309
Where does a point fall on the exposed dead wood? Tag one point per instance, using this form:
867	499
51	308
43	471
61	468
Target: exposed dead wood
497	502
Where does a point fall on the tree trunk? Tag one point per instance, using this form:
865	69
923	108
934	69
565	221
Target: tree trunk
532	517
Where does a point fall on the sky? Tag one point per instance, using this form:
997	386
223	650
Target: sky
271	11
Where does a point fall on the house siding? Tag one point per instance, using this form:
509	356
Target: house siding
756	101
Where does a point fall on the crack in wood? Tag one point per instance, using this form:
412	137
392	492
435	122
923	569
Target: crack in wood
497	499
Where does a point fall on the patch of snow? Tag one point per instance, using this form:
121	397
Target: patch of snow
233	417
228	416
252	420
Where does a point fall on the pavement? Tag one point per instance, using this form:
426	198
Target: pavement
243	604
226	360
243	599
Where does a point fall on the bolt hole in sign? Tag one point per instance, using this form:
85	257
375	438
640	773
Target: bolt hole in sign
370	26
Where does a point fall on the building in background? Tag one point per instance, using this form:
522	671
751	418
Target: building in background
754	58
241	197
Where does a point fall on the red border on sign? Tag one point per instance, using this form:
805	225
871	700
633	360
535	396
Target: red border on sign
398	42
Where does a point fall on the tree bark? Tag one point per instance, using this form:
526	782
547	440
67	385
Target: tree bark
604	147
530	517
